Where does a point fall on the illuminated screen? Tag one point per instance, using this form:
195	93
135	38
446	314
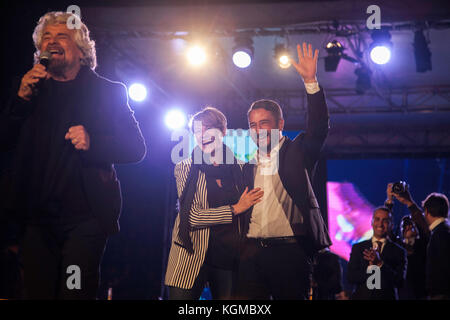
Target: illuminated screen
349	217
240	142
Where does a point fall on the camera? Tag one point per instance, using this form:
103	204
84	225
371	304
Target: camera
399	187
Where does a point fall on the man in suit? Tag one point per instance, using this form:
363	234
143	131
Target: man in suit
281	232
384	258
67	126
438	250
435	215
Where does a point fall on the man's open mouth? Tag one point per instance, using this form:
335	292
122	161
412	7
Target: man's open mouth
56	51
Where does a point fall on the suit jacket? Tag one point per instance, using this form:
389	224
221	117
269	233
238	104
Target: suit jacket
327	275
393	271
114	135
438	261
297	161
183	267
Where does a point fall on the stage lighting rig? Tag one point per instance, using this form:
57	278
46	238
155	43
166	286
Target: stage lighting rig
196	55
381	47
282	56
421	52
243	51
363	82
137	92
335	51
175	119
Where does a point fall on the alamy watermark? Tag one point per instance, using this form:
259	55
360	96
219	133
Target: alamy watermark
374	20
374	280
74	22
74	280
211	146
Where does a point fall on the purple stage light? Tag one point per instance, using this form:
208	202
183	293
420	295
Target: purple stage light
175	119
137	92
380	54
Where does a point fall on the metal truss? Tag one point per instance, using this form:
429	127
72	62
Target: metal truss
342	29
388	142
387	133
434	98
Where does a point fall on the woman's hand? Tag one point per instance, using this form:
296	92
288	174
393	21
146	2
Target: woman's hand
247	200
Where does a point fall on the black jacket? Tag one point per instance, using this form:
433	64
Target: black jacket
393	271
438	261
327	276
114	135
297	161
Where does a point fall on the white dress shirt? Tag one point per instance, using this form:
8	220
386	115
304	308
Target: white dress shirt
270	217
375	244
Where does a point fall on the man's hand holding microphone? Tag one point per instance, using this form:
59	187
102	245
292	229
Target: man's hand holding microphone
77	135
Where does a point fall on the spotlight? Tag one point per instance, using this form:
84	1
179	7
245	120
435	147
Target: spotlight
380	54
380	49
196	55
137	92
243	51
421	52
363	79
282	56
335	51
175	119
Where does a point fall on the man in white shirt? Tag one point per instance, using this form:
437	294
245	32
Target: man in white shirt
282	231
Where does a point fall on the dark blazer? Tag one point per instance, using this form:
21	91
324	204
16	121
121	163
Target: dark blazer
327	275
297	161
438	261
414	285
393	271
114	135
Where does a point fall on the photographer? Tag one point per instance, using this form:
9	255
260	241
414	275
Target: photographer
434	225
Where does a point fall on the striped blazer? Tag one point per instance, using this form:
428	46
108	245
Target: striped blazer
183	267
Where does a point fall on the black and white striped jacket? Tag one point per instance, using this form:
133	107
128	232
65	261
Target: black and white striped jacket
183	267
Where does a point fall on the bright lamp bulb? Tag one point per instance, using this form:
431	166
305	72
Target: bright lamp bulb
284	62
175	119
137	92
242	59
196	55
380	54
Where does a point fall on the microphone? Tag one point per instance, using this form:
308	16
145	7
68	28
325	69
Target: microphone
44	58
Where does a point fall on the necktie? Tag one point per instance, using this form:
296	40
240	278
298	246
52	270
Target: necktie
379	246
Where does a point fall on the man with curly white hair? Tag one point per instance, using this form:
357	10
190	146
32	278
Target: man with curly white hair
67	126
